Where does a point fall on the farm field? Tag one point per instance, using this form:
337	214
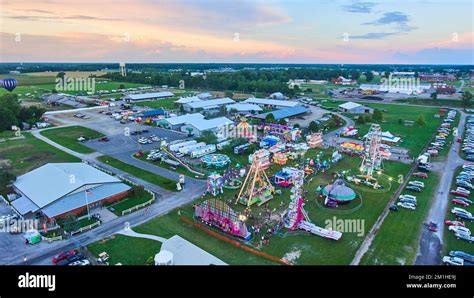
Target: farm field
67	137
30	153
297	247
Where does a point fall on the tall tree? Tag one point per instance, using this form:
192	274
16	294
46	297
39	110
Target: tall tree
369	76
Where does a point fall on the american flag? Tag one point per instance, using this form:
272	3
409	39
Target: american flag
88	192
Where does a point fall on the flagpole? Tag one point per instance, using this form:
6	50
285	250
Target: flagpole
87	204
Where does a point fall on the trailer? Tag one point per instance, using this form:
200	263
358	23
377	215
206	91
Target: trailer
241	148
175	147
203	151
188	149
221	145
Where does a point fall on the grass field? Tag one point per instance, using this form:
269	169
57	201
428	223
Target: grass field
397	241
136	197
67	137
453	103
450	241
297	244
139	173
166	103
126	250
30	153
413	138
68	73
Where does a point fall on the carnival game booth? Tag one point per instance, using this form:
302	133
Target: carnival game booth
284	132
287	176
280	158
337	192
350	131
263	157
217	213
351	148
315	140
269	141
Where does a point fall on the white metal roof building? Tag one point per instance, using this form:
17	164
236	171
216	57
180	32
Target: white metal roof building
273	103
354	108
188	99
148	96
58	188
207	104
178	121
244	107
199	126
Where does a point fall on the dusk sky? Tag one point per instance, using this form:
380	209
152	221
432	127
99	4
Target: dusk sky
311	31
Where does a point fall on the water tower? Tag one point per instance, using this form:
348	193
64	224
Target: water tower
122	70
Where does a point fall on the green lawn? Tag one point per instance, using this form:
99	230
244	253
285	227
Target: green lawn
67	137
126	250
450	241
137	196
139	173
397	241
413	138
453	103
166	103
29	153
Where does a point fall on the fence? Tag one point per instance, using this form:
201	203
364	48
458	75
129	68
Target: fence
136	207
97	223
49	240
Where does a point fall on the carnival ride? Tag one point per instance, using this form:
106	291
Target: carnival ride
372	158
215	160
219	214
284	132
215	182
295	217
287	176
185	165
256	187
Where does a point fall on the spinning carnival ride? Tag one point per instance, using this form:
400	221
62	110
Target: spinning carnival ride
256	187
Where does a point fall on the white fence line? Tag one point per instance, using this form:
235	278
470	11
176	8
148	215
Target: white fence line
49	240
136	207
97	223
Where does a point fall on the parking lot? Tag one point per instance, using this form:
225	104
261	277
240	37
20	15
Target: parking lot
10	244
121	137
122	142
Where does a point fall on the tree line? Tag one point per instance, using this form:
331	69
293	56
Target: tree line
12	113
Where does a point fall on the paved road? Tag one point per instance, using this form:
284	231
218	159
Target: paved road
429	252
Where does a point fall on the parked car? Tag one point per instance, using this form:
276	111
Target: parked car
458	229
413	188
463	236
456	210
461	194
447	260
393	208
464	216
417	183
63	255
421	175
407	205
454	223
460	202
464	199
83	262
462	255
104	139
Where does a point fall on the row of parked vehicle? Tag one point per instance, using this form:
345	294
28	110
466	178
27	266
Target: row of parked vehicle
458	258
468	142
70	258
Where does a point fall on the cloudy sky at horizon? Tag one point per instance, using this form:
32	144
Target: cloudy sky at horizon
270	31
